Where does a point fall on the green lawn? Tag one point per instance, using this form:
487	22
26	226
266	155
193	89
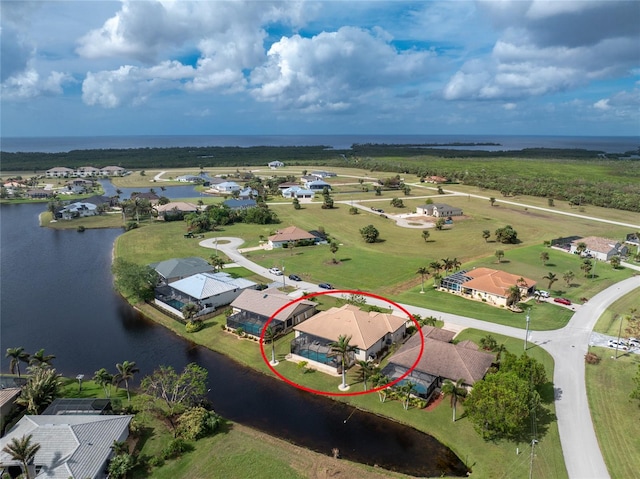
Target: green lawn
614	414
614	319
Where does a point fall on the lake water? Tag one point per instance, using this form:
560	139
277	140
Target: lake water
56	293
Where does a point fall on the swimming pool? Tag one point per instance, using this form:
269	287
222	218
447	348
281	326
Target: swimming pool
174	303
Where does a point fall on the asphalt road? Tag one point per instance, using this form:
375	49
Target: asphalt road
568	347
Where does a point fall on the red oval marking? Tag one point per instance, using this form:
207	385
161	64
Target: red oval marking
327	393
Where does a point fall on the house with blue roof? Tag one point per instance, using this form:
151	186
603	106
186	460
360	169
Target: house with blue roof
235	204
318	185
298	192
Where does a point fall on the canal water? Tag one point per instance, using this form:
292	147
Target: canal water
56	293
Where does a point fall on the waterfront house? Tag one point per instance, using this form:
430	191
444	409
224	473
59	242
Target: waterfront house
59	172
487	285
174	269
372	333
78	209
252	309
70	445
112	171
291	234
86	171
439	210
226	187
175	209
207	290
247	193
39	193
235	204
440	360
602	249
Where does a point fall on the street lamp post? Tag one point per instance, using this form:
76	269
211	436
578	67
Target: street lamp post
80	377
526	336
283	275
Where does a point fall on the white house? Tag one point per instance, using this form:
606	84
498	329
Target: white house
298	192
59	172
112	171
602	249
85	171
288	235
78	210
317	185
439	210
371	334
226	187
276	164
70	445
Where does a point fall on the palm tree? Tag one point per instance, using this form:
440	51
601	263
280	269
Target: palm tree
40	359
21	449
514	295
217	262
486	234
366	371
41	389
544	257
429	321
488	342
103	378
342	348
551	277
568	277
456	264
379	381
126	371
422	271
435	266
16	355
189	311
408	388
447	264
581	247
455	391
270	337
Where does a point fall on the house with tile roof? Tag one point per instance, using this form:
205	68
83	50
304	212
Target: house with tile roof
173	269
602	249
112	171
59	172
207	290
487	285
175	208
372	333
70	445
288	235
440	360
252	309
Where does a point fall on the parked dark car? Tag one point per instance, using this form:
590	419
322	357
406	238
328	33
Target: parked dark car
564	301
325	286
295	277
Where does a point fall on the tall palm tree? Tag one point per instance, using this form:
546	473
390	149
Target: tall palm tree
42	388
429	321
486	234
408	388
581	247
217	262
544	257
126	371
379	381
551	277
16	355
103	378
455	391
514	295
21	449
40	359
456	264
422	271
447	264
270	337
342	348
190	310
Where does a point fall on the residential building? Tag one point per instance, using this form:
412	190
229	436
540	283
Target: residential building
247	193
317	185
602	249
439	210
288	235
371	333
226	187
78	209
8	398
252	309
487	285
286	185
323	174
59	172
298	192
146	195
112	171
77	446
235	204
175	208
87	171
39	193
440	360
275	164
207	290
177	268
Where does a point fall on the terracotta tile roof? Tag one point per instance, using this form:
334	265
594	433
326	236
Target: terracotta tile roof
364	328
291	233
178	205
445	360
493	281
267	302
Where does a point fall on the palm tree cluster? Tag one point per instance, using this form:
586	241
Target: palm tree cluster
18	355
126	372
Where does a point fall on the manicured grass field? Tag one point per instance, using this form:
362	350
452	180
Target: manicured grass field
111	220
614	414
610	322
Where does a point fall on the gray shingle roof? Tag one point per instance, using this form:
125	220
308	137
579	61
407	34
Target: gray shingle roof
182	267
267	302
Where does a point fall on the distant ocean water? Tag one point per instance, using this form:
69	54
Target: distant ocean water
607	144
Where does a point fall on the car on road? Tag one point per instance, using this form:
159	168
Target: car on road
543	293
613	343
377	210
325	286
564	301
633	343
295	277
275	271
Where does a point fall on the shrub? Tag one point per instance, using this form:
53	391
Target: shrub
592	358
80	229
240	332
176	448
131	225
193	326
156	461
353	210
197	422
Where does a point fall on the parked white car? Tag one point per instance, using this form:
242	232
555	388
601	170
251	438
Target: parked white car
633	343
544	294
614	343
275	271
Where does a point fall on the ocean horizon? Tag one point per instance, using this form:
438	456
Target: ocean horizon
63	144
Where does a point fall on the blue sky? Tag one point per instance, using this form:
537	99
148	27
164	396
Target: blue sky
86	68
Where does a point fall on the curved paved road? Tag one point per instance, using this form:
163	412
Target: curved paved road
567	346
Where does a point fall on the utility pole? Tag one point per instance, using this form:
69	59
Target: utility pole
619	334
526	337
